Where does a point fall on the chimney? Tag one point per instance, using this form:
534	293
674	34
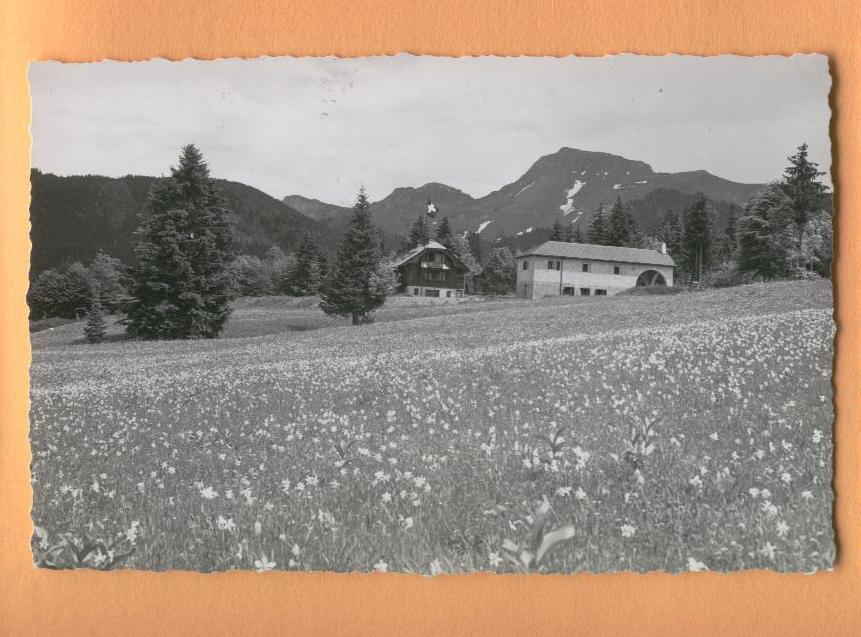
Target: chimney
662	247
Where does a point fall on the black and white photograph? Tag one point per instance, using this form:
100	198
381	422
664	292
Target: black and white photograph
432	315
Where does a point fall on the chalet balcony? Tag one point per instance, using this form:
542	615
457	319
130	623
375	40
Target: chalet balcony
435	265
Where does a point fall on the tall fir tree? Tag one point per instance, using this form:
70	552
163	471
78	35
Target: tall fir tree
443	233
182	283
765	235
801	183
419	232
310	271
577	235
558	232
355	286
622	228
599	230
698	236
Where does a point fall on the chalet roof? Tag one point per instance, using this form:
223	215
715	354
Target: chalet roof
591	252
430	245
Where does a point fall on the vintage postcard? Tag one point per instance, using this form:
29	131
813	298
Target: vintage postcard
432	315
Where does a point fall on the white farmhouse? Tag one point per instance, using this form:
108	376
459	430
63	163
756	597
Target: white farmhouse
582	269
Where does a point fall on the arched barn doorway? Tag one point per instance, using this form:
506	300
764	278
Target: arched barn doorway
651	278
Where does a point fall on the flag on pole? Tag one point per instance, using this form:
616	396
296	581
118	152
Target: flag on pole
432	209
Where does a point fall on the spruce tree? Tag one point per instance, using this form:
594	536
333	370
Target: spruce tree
443	233
182	281
419	233
622	227
307	277
94	329
801	183
698	236
577	235
557	234
765	235
355	286
599	227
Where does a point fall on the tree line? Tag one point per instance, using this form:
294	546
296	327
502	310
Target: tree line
187	271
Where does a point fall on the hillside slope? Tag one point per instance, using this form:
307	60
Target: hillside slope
74	217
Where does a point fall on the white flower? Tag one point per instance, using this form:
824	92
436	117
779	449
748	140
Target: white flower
263	564
807	495
436	567
580	494
208	493
387	497
782	529
817	435
381	567
628	530
767	550
494	559
696	566
786	477
713	436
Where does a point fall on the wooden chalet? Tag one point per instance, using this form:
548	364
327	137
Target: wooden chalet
431	270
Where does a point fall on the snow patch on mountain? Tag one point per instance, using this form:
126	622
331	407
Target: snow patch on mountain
617	186
529	185
568	206
645	181
523	232
483	225
577	218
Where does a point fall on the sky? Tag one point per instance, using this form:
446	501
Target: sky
321	127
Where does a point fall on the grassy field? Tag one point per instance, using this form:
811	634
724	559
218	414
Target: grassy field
681	432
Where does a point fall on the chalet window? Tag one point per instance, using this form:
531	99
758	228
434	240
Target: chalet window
585	267
568	291
525	264
617	269
550	265
448	293
558	265
600	292
585	291
416	291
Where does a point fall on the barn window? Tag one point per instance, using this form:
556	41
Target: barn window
585	268
558	265
550	265
525	264
568	291
416	291
600	292
617	269
448	293
585	291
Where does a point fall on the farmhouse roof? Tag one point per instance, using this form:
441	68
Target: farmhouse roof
591	252
430	245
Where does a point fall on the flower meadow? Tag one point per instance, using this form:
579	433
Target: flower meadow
682	433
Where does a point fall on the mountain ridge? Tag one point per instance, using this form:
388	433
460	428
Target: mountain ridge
566	185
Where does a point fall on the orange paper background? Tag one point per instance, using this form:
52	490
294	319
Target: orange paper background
88	603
